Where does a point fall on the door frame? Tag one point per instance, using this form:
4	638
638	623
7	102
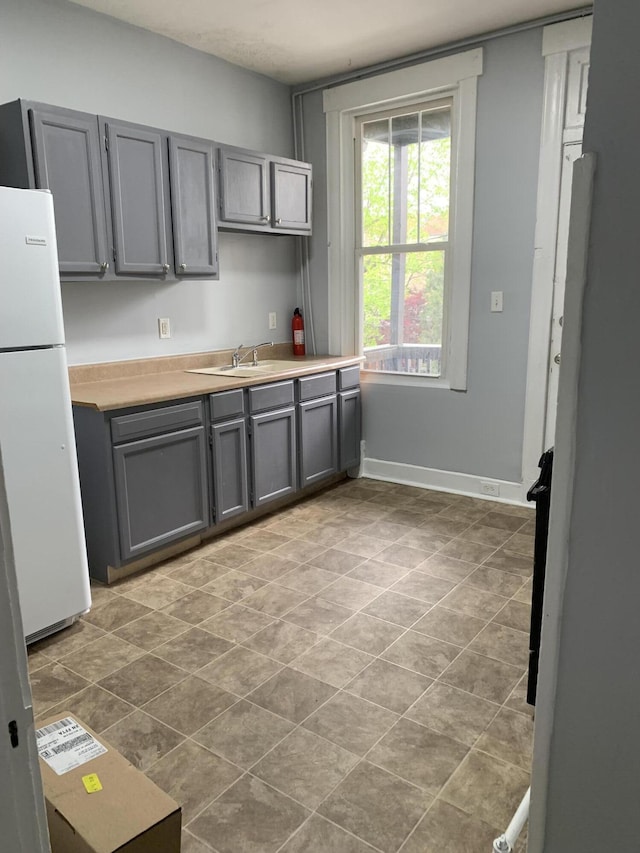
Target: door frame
559	125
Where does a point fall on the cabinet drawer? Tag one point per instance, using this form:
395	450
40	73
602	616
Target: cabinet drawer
156	421
348	377
227	404
322	385
264	397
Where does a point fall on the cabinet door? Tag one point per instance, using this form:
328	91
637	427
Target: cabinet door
139	199
230	486
66	151
273	455
161	489
193	209
318	432
349	420
244	189
291	197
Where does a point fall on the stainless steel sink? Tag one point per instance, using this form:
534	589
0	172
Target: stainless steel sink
247	371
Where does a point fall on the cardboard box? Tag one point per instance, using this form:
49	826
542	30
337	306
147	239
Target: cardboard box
97	802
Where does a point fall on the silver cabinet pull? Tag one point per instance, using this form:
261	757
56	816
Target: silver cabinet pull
556	358
266	218
104	266
183	266
165	267
278	221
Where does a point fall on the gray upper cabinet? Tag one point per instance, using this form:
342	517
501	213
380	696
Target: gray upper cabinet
138	177
244	188
193	206
291	196
263	193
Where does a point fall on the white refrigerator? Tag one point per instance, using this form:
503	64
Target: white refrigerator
36	425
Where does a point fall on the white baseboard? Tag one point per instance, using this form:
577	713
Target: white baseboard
443	481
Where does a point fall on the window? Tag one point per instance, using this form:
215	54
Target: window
400	178
403	164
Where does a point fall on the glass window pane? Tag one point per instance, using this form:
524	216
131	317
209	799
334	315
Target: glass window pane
405	139
403	297
435	175
375	183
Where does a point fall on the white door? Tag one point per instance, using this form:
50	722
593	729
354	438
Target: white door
570	152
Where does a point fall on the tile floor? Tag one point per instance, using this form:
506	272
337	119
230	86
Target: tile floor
344	675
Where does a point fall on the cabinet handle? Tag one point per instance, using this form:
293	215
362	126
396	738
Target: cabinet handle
165	267
266	218
183	266
104	266
278	221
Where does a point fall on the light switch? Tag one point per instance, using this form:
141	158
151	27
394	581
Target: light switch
496	300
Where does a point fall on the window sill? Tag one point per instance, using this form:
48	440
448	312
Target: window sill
412	380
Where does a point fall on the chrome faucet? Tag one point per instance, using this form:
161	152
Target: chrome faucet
236	358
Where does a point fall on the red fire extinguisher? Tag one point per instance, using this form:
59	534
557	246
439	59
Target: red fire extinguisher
297	328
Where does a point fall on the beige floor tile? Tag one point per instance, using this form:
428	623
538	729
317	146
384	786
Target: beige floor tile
524	595
482	676
367	633
193	777
509	561
319	615
69	640
510	737
239	671
323	534
362	546
515	615
193	649
317	835
406	517
422	654
440	524
493	580
140	681
274	600
351	722
264	540
299	550
399	609
338	562
487	788
517	700
268	567
234	586
467	513
505	644
406	556
190	705
305	766
520	543
485	535
141	739
471	552
236	623
446	829
425	540
291	694
102	657
151	630
391	686
190	844
157	592
453	712
503	521
474	602
116	613
282	641
243	733
250	817
424	587
96	707
307	579
198	573
100	594
419	755
387	530
53	684
350	593
376	806
332	662
449	625
379	574
447	568
196	606
231	556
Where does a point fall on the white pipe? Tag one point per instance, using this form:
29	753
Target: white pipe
506	842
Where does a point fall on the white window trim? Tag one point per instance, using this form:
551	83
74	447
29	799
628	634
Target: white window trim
452	75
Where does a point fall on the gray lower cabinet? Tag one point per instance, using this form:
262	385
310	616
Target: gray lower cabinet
349	420
318	439
139	183
273	455
229	469
193	206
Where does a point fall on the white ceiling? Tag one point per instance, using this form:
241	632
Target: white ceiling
295	41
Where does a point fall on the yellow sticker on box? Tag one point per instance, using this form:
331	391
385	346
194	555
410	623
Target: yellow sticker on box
92	783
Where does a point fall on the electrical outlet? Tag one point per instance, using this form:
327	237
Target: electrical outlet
272	320
164	327
496	300
492	489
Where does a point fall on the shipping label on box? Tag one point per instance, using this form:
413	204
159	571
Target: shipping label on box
65	745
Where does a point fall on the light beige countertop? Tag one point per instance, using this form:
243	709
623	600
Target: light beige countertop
119	384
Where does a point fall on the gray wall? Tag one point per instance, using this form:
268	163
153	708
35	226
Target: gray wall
594	785
63	54
479	431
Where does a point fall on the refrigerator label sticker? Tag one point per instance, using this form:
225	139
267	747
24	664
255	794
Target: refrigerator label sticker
35	241
66	745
